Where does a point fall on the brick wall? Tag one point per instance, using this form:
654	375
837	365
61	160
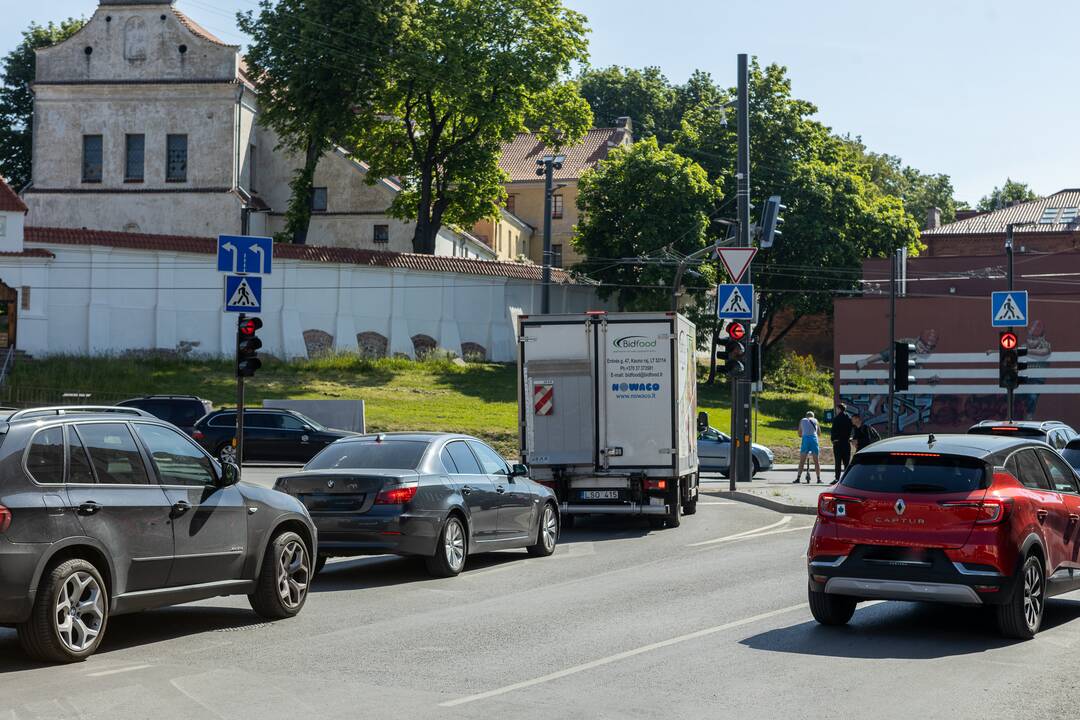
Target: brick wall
991	244
813	335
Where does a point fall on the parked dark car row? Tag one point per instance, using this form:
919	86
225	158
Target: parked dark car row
110	510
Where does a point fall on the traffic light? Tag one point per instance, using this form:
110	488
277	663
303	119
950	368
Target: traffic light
903	357
1009	365
770	221
755	361
247	346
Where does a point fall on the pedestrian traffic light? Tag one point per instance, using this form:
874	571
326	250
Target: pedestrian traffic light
904	365
755	361
1009	365
770	221
734	352
247	345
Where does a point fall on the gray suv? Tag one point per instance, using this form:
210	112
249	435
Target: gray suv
105	511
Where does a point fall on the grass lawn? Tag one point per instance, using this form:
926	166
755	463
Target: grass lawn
479	398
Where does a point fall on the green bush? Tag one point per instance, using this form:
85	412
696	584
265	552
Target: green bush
800	373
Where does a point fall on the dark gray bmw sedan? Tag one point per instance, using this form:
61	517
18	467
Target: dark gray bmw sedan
105	511
436	495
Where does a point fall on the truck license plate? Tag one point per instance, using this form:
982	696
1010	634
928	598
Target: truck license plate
599	494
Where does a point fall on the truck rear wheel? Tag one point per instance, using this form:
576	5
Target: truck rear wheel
690	504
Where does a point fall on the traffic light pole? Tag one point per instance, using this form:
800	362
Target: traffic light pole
1009	256
892	348
239	403
742	461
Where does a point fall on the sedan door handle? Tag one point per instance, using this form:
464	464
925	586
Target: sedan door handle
465	489
180	507
500	489
1041	514
88	508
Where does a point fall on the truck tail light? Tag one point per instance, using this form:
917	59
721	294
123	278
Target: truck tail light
5	519
655	484
831	505
397	495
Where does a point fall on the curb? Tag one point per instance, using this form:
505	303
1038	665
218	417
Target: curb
752	499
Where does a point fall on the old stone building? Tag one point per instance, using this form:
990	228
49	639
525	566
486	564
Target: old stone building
146	122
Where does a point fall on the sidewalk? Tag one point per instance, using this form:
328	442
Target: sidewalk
779	494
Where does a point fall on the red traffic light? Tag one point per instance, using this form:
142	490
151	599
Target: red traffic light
736	331
248	326
1008	340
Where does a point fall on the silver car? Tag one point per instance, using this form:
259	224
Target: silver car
714	453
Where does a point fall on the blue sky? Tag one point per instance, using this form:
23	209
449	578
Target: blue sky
978	89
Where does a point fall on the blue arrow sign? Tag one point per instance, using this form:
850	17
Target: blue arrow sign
1009	308
244	254
736	301
243	293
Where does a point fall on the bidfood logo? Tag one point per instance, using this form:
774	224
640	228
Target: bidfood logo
635	387
634	342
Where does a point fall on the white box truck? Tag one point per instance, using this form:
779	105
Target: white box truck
607	412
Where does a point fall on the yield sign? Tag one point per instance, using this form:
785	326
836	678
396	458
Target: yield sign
736	260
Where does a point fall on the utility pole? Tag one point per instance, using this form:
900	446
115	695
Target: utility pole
742	461
1009	256
892	347
546	167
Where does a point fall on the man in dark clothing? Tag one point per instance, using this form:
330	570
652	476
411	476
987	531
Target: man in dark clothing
863	435
841	440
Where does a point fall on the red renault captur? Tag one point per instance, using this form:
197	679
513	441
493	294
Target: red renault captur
965	519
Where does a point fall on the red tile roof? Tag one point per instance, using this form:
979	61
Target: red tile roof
9	201
519	156
284	251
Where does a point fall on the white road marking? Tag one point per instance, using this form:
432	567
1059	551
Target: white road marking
620	656
783	521
718	503
117	671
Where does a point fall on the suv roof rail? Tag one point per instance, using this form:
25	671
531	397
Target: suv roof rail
163	395
76	410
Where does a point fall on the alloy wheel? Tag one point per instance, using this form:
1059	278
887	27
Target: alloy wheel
454	545
227	454
550	528
1033	595
80	611
293	573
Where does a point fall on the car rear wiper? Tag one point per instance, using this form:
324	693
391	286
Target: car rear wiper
923	487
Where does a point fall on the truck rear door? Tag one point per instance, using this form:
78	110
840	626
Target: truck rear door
559	412
636	418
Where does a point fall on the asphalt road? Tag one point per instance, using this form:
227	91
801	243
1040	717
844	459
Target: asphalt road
709	620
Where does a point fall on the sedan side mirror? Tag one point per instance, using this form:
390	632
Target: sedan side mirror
702	421
519	470
230	475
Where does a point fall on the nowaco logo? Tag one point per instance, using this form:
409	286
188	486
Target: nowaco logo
635	387
633	342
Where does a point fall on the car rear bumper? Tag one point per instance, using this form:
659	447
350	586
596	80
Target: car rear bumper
342	535
939	580
18	562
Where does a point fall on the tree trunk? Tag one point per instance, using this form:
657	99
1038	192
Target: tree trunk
300	203
424	235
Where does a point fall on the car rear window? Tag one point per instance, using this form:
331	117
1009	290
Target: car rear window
915	472
177	412
372	455
1008	431
1072	455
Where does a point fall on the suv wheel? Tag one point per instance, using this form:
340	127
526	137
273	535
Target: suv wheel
1022	615
829	609
282	587
69	616
227	453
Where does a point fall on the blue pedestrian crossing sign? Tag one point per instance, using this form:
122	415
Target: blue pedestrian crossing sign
736	301
245	254
243	293
1009	308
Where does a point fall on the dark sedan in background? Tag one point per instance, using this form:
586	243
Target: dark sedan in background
269	435
435	495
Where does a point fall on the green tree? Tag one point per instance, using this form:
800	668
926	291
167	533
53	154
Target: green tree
316	63
919	191
649	203
645	96
464	78
1010	193
836	215
17	100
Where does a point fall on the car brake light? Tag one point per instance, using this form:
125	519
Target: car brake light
398	495
1005	429
991	511
828	502
914	454
5	519
656	484
197	435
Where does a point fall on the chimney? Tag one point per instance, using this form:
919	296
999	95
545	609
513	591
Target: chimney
933	218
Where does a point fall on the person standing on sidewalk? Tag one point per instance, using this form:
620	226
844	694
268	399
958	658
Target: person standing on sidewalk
863	434
840	434
809	431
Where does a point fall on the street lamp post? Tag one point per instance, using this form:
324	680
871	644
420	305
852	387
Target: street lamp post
546	167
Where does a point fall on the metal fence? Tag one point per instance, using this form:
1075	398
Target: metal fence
26	397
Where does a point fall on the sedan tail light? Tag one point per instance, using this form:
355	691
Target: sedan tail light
828	503
397	495
5	519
